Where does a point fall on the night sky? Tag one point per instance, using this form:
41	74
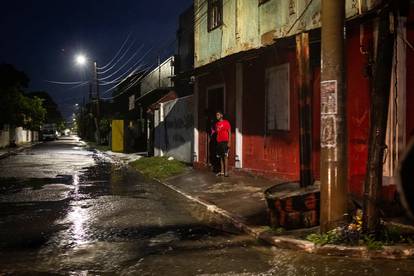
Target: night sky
41	38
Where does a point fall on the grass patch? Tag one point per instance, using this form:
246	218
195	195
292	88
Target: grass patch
330	237
158	167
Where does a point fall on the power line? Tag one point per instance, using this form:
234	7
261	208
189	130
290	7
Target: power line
116	55
122	77
65	82
129	87
119	83
120	68
78	86
131	70
146	70
119	59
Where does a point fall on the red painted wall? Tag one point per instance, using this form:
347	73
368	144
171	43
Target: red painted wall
316	122
271	154
274	153
358	107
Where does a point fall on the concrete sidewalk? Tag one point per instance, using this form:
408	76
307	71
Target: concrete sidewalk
239	200
240	196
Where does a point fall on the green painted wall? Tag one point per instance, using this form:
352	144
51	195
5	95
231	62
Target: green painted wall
246	25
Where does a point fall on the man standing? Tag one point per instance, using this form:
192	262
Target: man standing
223	131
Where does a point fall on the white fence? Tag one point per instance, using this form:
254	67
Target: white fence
19	135
174	129
4	137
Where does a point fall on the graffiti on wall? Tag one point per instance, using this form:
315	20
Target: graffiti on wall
177	128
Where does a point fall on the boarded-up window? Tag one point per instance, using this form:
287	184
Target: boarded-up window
277	98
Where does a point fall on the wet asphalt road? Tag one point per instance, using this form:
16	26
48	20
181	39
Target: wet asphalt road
65	210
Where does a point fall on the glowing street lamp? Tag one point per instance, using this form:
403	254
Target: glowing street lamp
81	60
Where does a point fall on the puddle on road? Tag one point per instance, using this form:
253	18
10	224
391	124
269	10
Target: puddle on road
107	220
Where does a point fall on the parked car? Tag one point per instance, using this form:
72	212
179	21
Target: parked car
49	134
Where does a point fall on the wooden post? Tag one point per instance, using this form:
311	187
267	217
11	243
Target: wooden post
379	113
305	109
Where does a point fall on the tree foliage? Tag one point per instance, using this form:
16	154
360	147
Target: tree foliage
53	115
16	108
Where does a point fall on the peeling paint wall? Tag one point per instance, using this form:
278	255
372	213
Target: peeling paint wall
248	25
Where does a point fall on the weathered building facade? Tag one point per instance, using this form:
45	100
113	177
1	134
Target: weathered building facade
247	57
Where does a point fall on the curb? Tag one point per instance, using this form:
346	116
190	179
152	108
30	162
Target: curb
287	242
18	149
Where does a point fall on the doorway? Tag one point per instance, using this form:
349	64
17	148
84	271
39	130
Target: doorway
215	102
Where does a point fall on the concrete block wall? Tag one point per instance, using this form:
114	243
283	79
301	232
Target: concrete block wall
4	137
174	129
20	136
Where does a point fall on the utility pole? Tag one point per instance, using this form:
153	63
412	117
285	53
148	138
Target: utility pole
82	129
380	97
334	167
97	118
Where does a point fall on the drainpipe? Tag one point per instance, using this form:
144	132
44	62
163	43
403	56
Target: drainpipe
334	161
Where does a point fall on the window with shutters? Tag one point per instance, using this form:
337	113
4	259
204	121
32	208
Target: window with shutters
215	14
278	98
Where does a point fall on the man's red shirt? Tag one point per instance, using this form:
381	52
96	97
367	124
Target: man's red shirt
223	128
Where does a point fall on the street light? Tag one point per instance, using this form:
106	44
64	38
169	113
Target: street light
81	60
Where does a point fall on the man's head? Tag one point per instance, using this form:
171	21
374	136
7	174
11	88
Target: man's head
219	115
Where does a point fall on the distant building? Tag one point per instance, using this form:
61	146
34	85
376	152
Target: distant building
153	87
166	96
184	61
